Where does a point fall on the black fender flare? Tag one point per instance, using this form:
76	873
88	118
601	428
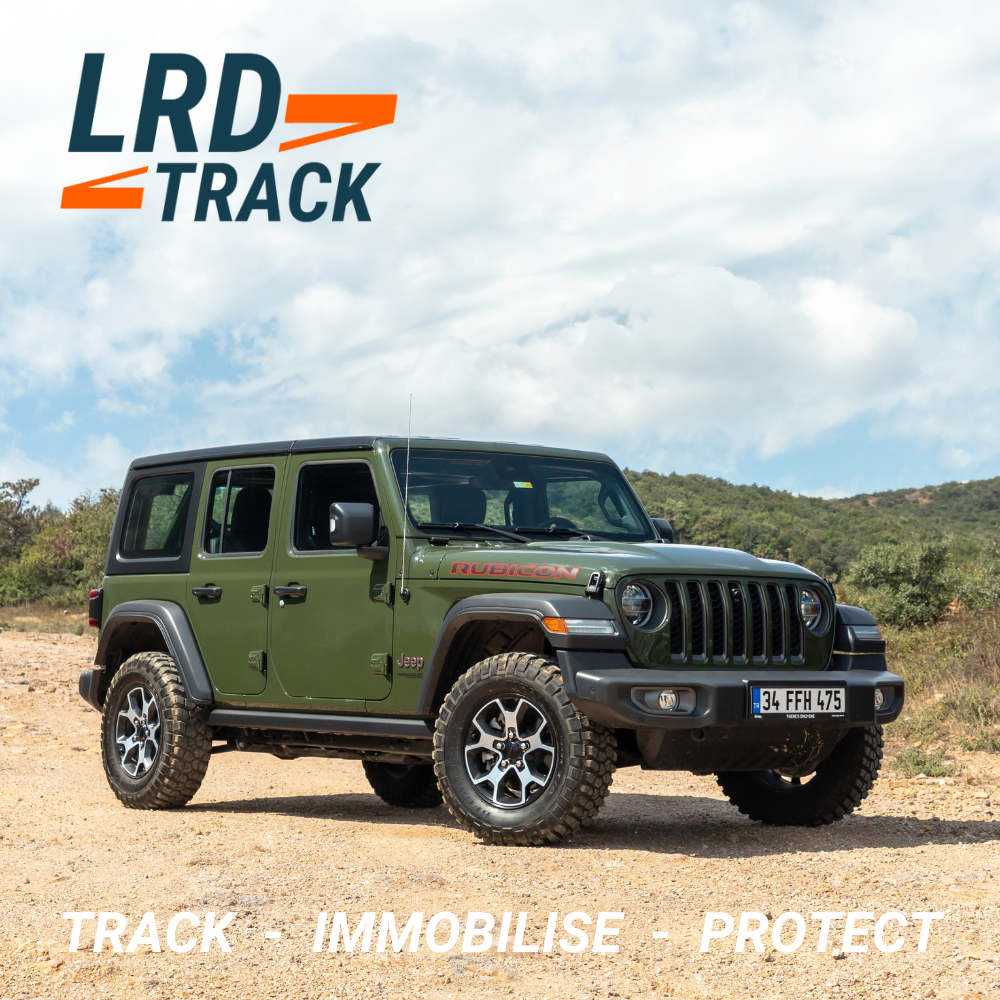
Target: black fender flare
851	651
526	608
178	636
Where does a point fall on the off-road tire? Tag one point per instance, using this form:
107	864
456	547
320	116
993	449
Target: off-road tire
837	788
582	768
409	786
185	743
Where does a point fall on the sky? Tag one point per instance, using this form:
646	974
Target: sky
756	240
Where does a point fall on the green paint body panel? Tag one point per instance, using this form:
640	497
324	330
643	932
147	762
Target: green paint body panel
321	649
231	627
321	645
148	587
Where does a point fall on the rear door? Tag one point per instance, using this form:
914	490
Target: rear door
227	593
334	640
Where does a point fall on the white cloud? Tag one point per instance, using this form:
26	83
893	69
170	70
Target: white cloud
53	484
65	421
694	354
826	492
718	229
106	460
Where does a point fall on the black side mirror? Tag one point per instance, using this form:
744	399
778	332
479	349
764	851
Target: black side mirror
352	524
664	527
357	524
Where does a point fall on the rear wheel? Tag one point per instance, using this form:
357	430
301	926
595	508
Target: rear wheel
410	786
833	791
155	748
515	760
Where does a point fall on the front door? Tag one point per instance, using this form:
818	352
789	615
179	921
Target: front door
333	639
227	592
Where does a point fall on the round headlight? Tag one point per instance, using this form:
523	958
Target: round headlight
637	604
811	608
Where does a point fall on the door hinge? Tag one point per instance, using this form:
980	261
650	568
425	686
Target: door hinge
382	592
258	593
380	664
258	660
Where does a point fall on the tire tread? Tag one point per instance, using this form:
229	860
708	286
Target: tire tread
418	791
186	746
845	779
590	770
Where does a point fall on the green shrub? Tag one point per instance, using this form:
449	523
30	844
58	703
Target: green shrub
17	586
924	727
980	576
952	674
65	559
912	762
974	705
906	584
981	739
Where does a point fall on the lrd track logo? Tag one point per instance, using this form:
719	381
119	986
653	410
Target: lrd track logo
351	112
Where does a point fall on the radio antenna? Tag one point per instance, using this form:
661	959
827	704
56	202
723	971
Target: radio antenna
403	592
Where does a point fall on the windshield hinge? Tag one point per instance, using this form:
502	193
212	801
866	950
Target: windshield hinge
595	586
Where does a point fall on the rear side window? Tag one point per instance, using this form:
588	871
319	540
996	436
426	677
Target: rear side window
239	511
321	485
156	516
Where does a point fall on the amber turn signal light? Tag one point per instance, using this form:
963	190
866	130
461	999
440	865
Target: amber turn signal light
580	626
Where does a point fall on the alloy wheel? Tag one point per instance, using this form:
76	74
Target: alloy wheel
137	732
509	751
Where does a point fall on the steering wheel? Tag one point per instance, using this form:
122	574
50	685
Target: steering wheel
559	522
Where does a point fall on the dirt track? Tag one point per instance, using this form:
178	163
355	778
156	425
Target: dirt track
279	841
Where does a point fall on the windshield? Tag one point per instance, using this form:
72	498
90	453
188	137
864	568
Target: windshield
529	494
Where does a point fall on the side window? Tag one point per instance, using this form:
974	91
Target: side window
216	512
239	510
321	485
156	516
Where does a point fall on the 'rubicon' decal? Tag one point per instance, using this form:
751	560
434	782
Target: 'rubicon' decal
514	569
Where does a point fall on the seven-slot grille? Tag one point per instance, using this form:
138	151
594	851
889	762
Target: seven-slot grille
734	621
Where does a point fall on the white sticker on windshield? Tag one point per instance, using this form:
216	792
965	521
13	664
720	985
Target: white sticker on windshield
522	486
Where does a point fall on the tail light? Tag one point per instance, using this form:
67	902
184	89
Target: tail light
96	607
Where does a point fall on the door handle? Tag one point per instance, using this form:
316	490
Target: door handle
289	591
207	591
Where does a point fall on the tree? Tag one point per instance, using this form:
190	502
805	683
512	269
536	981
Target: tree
904	584
19	522
64	559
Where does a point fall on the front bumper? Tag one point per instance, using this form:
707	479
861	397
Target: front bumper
604	687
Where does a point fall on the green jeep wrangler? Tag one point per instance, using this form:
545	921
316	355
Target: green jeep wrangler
491	625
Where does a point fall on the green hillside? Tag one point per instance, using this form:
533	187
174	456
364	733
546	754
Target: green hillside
51	553
824	535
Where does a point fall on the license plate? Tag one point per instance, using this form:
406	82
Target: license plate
797	703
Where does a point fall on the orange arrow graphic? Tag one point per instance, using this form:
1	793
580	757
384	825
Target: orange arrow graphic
365	111
90	195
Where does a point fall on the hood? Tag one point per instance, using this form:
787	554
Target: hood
571	563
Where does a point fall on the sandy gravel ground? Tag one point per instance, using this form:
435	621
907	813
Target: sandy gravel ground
280	841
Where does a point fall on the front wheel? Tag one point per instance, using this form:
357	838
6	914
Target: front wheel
836	788
516	762
155	748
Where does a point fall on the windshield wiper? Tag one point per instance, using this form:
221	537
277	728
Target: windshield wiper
559	530
469	526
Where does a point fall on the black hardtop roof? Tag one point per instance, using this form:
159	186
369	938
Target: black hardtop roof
358	443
